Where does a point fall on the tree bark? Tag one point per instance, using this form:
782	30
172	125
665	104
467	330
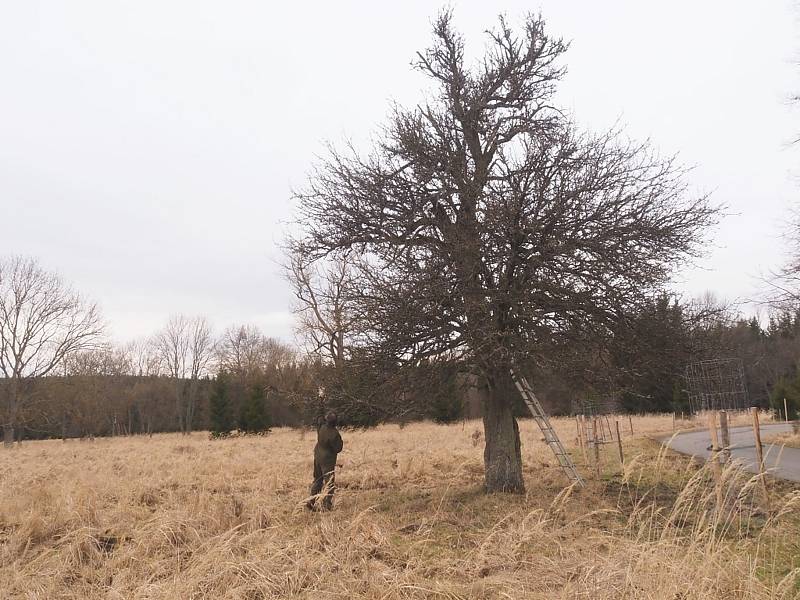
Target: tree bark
190	405
13	407
8	435
179	404
502	455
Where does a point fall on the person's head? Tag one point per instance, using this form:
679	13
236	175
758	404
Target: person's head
331	419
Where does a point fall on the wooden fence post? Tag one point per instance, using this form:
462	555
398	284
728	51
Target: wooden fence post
785	411
587	424
630	420
715	466
619	444
726	436
759	451
757	435
596	448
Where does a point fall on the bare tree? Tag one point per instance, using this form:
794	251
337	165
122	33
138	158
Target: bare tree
485	224
144	358
185	348
42	321
245	351
251	357
105	360
100	399
783	284
239	349
325	315
146	392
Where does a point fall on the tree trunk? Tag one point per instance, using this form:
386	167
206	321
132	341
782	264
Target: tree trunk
8	435
189	414
502	456
179	405
191	405
13	406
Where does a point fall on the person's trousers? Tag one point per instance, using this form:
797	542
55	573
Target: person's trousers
323	484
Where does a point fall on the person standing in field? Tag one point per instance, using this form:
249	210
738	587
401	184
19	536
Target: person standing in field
329	444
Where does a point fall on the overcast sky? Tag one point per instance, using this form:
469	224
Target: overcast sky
148	149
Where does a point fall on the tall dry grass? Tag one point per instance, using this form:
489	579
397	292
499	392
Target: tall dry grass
173	517
791	439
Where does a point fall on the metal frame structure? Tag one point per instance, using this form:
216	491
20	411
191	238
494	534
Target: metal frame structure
586	406
716	384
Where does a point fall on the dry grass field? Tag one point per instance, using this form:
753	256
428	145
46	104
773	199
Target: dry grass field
175	517
791	440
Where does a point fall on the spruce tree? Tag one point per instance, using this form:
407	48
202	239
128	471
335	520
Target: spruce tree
255	417
220	417
444	395
788	388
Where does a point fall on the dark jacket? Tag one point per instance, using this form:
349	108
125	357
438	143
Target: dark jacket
329	444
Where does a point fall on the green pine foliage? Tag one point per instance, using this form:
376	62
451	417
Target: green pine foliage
363	391
445	395
650	351
220	413
788	388
680	397
255	416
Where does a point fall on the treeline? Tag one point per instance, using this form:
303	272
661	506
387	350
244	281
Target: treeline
104	405
637	366
167	383
252	382
643	364
60	376
184	379
66	380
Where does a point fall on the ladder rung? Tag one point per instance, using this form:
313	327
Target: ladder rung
550	436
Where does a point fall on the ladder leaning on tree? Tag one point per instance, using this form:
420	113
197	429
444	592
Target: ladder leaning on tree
550	436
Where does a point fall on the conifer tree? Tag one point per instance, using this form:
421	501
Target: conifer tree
788	388
220	414
255	417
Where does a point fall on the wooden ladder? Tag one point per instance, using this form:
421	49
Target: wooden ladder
550	436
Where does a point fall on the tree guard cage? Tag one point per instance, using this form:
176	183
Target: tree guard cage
609	405
716	384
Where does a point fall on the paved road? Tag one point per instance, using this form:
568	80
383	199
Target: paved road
780	463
